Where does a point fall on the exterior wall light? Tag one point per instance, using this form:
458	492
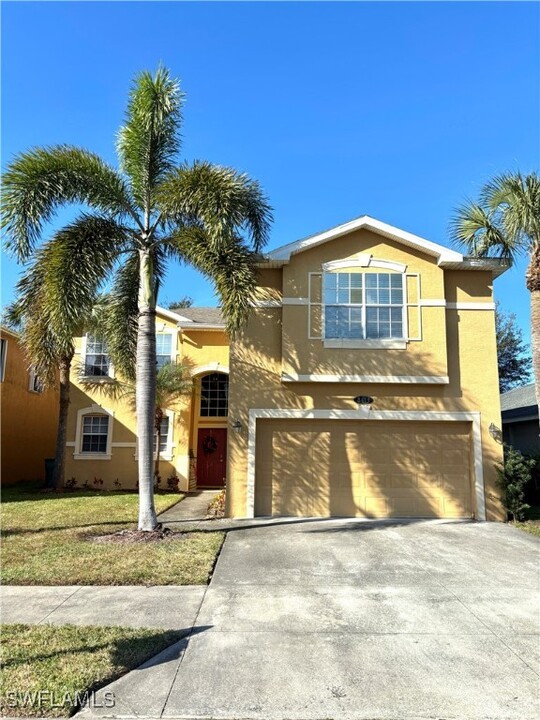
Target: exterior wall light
495	432
236	426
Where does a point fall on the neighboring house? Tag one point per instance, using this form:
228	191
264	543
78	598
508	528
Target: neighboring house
520	419
29	415
102	446
367	309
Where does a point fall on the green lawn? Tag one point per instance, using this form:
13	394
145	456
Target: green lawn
47	540
532	523
46	669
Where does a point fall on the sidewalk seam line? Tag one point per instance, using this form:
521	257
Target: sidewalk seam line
79	587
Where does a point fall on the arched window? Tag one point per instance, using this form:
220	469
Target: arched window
215	395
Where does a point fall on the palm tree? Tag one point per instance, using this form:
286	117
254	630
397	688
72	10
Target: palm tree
51	308
151	209
506	222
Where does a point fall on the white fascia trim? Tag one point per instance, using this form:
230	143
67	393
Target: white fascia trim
470	306
367	344
366	414
171	315
386	379
443	254
210	368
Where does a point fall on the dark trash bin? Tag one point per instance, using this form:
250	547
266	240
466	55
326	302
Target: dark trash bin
49	472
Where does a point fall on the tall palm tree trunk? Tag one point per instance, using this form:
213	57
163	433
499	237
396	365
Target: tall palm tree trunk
146	391
61	433
533	285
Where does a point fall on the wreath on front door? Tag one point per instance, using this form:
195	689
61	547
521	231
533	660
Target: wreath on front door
209	445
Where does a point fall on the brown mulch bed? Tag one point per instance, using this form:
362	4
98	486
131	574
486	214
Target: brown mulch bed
136	536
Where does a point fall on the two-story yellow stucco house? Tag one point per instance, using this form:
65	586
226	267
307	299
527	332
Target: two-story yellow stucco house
101	449
365	382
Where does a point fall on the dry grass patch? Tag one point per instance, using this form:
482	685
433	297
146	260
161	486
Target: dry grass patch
47	669
48	539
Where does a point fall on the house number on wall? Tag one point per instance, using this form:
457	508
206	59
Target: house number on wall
363	400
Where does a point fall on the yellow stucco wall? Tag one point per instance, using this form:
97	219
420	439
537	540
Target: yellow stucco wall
456	344
28	419
201	351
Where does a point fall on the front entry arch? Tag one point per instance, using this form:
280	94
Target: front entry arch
211	435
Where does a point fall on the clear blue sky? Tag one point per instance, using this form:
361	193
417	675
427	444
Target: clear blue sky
396	110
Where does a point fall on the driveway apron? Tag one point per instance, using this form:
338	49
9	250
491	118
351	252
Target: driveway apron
344	619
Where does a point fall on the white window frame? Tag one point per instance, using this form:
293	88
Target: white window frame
3	358
388	343
93	410
173	344
104	378
168	453
34	383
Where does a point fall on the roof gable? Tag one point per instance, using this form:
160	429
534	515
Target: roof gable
442	253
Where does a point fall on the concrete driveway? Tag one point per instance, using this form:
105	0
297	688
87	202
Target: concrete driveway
354	619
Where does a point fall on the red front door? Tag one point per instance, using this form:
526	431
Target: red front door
211	457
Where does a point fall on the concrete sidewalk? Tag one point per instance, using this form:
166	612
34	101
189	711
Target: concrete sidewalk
354	621
171	607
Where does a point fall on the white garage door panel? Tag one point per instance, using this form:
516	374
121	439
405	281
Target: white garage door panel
363	468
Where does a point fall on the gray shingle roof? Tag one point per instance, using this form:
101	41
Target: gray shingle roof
203	315
518	397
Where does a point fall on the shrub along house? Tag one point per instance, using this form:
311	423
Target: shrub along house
365	381
102	446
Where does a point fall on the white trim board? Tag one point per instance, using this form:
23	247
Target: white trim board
385	379
365	413
470	306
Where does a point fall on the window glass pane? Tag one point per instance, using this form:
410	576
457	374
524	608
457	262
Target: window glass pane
371	280
356	295
214	395
94	436
163	435
396	297
384	296
384	280
396	281
371	296
163	350
356	280
96	362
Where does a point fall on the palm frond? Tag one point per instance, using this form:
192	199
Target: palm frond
149	141
230	267
173	382
57	292
221	200
475	228
37	182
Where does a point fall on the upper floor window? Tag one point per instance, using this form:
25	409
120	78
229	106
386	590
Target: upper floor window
360	306
3	358
215	395
97	362
163	349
